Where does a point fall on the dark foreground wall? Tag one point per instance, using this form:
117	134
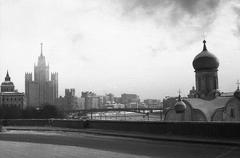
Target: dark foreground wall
206	129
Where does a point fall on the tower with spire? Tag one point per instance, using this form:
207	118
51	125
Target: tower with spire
7	85
41	90
9	97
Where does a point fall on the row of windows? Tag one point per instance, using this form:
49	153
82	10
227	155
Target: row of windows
7	89
11	105
7	99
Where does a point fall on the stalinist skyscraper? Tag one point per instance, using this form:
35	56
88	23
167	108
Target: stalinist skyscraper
41	90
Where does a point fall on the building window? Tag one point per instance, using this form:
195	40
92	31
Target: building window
199	83
232	113
215	82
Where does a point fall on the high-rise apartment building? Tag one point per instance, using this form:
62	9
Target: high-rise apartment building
41	90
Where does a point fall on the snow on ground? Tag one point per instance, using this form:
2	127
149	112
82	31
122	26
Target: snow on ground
10	149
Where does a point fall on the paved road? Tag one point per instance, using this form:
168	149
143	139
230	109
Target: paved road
18	144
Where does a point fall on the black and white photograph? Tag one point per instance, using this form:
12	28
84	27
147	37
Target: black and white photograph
119	78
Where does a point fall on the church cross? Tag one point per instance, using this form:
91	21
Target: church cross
238	83
179	95
179	92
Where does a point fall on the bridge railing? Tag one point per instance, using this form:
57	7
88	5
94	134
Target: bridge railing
114	109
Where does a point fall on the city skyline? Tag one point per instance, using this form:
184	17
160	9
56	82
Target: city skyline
141	47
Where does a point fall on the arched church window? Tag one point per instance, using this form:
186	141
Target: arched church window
207	84
232	113
215	82
199	83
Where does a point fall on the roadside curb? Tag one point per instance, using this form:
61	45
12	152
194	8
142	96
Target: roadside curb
137	136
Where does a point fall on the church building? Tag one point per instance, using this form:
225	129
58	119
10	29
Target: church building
41	90
9	97
206	102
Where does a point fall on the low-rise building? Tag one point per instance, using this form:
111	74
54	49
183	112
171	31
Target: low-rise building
9	97
91	100
152	103
69	101
108	99
130	100
80	103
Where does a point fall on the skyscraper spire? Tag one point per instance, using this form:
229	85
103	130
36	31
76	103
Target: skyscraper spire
41	58
41	48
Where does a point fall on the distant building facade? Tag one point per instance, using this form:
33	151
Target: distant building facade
41	90
108	99
80	103
130	100
9	97
117	100
69	101
152	103
92	101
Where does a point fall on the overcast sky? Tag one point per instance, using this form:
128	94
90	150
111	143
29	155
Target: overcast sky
120	46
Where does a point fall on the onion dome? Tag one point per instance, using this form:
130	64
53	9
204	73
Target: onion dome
205	60
180	106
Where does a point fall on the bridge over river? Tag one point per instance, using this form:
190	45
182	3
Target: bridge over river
154	114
